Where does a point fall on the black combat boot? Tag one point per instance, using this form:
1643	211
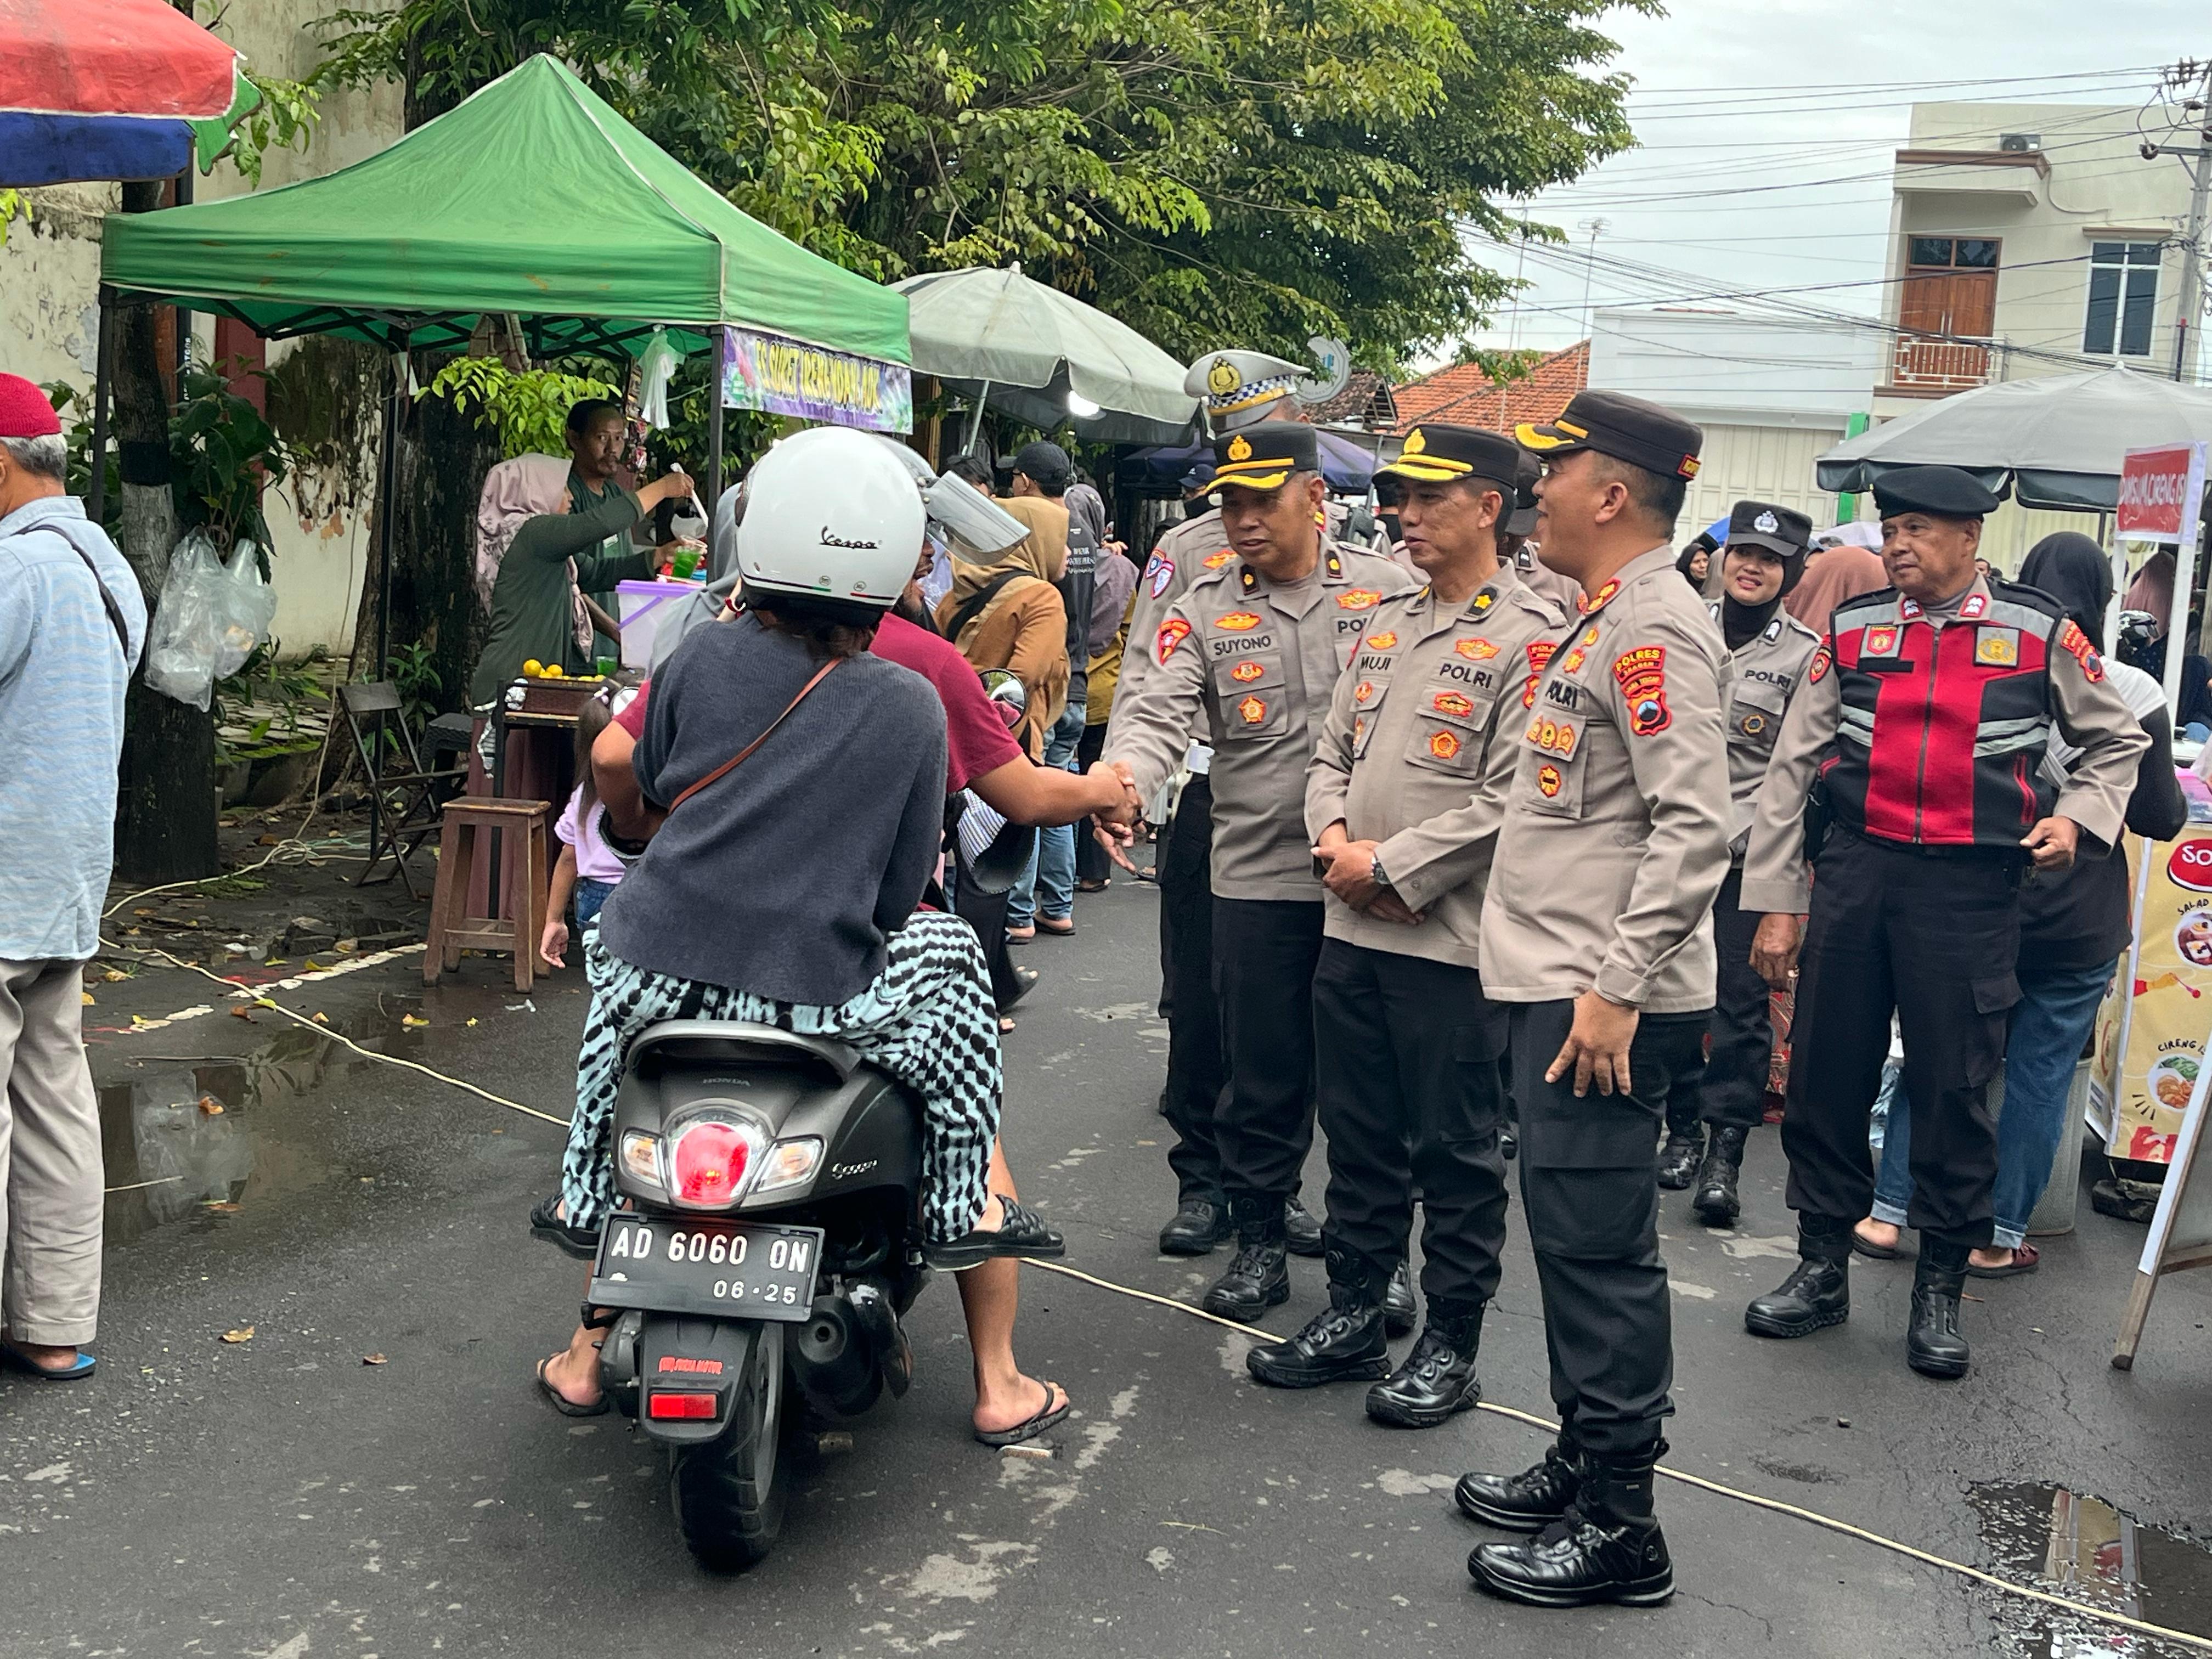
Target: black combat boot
1398	1310
1529	1501
1343	1343
1715	1200
1933	1345
1300	1232
1199	1224
1260	1277
1678	1158
1818	1293
1438	1379
1608	1547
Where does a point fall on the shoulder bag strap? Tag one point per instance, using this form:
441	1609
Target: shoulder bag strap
745	754
107	599
978	603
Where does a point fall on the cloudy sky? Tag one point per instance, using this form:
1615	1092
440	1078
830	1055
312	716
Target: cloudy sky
1767	129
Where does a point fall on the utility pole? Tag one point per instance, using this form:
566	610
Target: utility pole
2198	158
1520	261
1597	227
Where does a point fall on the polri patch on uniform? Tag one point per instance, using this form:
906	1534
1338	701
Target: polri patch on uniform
1248	670
1975	604
2073	641
1251	709
1996	647
1587	603
1359	598
1641	672
1548	780
1573	660
1238	621
1590	637
1483	600
1451	702
1879	641
1163	574
1382	641
1173	633
1539	653
1444	745
1819	671
1753	725
1214	561
1476	649
1365	689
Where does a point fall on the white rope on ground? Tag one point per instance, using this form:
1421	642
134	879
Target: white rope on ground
2080	1608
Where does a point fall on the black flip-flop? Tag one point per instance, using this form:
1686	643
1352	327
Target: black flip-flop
1873	1252
561	1403
1022	1233
1023	1433
1025	980
546	1223
2026	1258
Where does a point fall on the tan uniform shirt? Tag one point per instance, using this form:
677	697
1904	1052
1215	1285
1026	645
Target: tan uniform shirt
1418	751
2091	714
1765	673
1560	590
1616	831
1248	667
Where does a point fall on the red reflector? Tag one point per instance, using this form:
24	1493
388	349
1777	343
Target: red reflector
709	1160
663	1403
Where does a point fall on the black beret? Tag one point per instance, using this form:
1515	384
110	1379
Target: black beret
1781	531
1439	454
1944	491
1263	456
1628	428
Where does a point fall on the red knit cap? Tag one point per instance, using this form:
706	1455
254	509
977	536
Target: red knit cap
24	410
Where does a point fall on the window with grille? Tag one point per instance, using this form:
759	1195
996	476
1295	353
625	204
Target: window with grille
2122	299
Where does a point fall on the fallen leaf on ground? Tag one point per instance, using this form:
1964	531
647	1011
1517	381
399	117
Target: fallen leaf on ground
243	1334
319	1017
220	1206
241	1013
472	1019
88	1000
270	840
210	1106
114	974
312	967
372	1359
412	1019
141	912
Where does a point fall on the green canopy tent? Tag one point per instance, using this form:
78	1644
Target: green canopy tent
532	200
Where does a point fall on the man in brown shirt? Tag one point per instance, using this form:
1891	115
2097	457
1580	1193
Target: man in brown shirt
1596	929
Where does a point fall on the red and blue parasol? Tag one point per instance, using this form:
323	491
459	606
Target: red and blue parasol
111	90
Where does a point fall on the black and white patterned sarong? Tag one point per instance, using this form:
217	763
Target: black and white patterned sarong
927	1019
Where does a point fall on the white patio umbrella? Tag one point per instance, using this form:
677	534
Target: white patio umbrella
2057	439
998	336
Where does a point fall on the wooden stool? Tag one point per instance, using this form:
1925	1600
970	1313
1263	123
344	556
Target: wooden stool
528	875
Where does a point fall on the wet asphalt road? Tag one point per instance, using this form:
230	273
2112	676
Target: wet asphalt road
276	1496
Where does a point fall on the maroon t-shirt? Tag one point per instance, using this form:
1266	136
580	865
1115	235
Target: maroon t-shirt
977	739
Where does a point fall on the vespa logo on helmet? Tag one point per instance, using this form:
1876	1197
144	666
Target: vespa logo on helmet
829	540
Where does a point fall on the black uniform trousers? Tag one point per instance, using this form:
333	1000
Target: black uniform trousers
1091	863
1196	1070
1591	1193
1265	951
1932	935
1729	1091
1406	1056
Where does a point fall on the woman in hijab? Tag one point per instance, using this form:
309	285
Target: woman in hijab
2072	928
1697	561
1844	571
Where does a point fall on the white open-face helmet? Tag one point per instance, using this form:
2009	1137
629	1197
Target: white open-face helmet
830	513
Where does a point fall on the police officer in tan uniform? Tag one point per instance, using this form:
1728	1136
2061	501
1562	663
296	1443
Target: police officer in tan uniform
1715	1108
1246	661
1238	390
1597	930
1403	798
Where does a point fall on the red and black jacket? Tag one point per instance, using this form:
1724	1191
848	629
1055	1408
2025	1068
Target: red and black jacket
1943	731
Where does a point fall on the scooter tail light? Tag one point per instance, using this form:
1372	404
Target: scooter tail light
664	1403
712	1162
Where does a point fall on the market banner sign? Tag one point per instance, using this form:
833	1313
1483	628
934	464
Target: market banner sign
776	376
2157	488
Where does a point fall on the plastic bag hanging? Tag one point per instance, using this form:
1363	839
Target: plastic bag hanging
656	367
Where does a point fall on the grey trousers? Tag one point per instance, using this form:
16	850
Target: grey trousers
50	1162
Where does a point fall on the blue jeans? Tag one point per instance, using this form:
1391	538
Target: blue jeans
1048	886
590	896
2050	1024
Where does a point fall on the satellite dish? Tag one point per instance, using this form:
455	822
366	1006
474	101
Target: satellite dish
1336	359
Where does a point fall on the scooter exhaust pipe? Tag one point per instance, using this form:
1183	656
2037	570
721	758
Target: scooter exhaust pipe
835	1361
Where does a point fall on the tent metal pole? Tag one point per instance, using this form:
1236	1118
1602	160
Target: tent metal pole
103	385
975	420
387	492
714	429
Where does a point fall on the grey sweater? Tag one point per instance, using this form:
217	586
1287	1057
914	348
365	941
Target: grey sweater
783	878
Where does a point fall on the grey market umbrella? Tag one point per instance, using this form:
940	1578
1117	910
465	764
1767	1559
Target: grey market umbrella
2057	439
1002	337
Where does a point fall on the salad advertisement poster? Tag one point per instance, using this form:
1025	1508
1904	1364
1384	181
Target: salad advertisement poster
2151	1044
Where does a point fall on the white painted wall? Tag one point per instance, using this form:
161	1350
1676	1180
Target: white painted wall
49	320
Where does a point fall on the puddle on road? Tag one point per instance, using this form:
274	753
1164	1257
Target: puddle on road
182	1135
2084	1549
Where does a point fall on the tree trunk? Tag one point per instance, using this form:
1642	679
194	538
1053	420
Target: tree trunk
164	813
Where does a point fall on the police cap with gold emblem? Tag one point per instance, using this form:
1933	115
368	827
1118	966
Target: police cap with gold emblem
1945	492
1239	387
1263	457
1778	529
1440	454
1627	428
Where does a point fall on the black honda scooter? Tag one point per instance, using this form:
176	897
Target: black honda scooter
773	1246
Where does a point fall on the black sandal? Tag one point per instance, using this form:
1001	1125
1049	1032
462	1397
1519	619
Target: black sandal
1021	1233
561	1403
547	1223
1030	1429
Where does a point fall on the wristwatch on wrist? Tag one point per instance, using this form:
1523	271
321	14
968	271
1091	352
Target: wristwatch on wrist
1375	872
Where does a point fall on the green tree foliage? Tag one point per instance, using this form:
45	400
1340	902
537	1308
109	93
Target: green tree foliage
1253	171
529	411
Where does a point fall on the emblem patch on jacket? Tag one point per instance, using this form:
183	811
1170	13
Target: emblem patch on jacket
1547	780
1477	649
1251	709
1359	598
1248	670
1444	745
1236	621
1641	672
1172	634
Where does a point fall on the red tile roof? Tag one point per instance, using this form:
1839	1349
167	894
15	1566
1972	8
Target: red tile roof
1463	395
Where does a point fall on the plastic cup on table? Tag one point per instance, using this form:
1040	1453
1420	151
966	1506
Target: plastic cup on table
683	563
605	668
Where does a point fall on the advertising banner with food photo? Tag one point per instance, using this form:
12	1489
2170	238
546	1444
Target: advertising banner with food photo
2151	1032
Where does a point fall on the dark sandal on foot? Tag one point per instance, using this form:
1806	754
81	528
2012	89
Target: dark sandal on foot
1876	1252
1021	1233
1046	1415
2026	1258
563	1404
16	1360
547	1223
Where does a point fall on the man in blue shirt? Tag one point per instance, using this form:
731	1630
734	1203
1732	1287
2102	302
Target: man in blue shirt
72	625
